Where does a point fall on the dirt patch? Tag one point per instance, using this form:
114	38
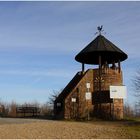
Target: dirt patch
47	129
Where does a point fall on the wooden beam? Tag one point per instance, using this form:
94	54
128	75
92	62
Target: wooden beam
119	65
100	85
83	67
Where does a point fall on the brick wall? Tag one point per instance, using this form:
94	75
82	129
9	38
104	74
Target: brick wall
77	107
81	107
108	108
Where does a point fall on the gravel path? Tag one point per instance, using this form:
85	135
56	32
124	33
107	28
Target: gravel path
48	129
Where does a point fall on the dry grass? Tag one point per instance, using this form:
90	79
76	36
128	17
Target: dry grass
47	129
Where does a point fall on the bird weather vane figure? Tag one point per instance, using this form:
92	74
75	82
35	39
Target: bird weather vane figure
100	30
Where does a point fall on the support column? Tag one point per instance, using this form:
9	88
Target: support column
119	65
83	67
100	85
99	73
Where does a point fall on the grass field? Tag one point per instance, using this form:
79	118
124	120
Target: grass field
49	129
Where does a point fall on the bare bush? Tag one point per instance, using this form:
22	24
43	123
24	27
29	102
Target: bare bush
137	109
136	93
136	84
46	110
12	109
53	96
128	111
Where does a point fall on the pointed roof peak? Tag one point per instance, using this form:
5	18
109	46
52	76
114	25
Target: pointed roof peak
100	46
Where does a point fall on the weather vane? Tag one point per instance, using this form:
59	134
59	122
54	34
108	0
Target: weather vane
100	30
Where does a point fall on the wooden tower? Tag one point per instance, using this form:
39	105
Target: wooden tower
87	94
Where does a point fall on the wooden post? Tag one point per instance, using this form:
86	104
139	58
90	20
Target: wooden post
83	67
73	110
99	73
88	117
110	111
113	114
119	65
100	84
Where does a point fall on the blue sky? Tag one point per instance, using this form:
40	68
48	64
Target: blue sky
39	40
